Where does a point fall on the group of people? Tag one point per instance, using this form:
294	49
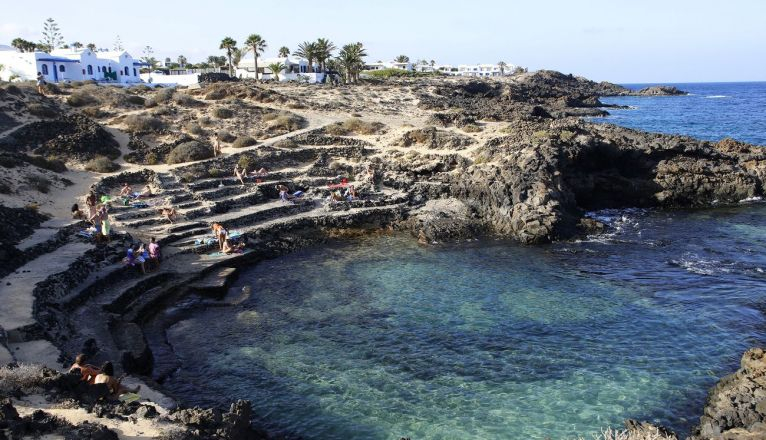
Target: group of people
242	174
97	214
105	374
126	192
140	256
225	243
285	196
349	195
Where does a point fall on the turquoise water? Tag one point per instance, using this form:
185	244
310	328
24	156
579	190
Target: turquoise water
381	338
712	111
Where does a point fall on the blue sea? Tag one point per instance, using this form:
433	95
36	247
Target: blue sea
380	338
711	111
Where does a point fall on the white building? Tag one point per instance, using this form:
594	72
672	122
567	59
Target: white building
380	65
483	70
295	68
70	65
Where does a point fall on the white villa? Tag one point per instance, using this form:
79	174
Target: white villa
294	67
389	65
71	65
477	70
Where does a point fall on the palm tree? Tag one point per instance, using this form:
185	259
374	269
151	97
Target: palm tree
307	50
502	65
77	45
402	59
91	47
181	61
351	58
257	45
324	50
229	44
284	52
276	69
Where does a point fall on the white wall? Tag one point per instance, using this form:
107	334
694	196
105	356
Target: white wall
170	80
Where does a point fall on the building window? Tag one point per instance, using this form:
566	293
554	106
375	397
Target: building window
110	69
134	72
98	68
127	72
90	69
62	69
45	69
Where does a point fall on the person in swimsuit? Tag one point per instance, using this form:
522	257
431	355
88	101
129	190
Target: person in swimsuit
116	388
40	83
87	371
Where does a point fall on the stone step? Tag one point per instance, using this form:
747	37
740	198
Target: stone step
16	289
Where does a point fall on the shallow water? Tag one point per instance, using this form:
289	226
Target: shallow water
712	111
382	338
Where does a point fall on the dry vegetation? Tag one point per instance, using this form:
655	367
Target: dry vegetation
355	126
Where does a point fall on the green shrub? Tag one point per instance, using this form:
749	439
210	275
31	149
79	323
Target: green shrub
81	98
472	128
50	163
163	95
94	112
205	121
42	111
27	378
40	183
567	135
225	136
283	121
135	100
246	161
286	143
151	159
150	103
101	164
540	135
194	128
143	123
244	141
215	172
186	100
188	152
354	126
222	113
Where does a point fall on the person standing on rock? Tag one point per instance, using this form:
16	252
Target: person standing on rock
40	83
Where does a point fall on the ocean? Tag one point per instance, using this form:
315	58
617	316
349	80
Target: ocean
380	338
711	111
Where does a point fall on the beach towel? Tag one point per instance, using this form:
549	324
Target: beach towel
106	227
105	199
129	397
298	194
139	205
85	233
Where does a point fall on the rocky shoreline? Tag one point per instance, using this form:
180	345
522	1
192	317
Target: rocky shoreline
510	159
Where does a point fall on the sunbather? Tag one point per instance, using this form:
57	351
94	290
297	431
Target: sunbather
126	190
240	174
335	196
350	193
91	201
263	172
284	193
146	192
116	388
229	248
87	371
170	214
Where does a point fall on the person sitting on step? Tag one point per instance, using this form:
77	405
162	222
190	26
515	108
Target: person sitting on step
240	174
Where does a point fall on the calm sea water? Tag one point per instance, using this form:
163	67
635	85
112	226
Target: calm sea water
712	111
381	338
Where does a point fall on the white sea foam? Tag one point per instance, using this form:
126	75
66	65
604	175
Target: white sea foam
717	97
751	200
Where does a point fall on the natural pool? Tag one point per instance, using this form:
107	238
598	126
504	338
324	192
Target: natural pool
381	338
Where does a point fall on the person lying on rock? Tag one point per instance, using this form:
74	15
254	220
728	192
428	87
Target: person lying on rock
87	371
116	388
146	192
240	174
284	193
263	172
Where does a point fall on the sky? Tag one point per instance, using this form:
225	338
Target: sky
623	41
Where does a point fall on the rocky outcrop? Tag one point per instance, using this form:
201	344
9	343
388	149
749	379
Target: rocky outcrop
661	91
736	406
69	137
430	137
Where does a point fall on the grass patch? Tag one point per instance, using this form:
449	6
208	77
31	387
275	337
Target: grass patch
223	113
24	377
143	123
101	164
188	152
286	143
285	121
50	163
354	126
42	111
81	98
225	136
244	141
194	128
472	128
40	183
